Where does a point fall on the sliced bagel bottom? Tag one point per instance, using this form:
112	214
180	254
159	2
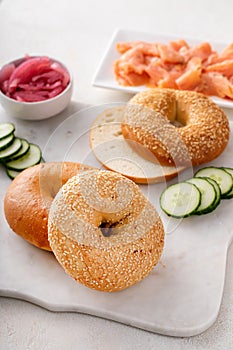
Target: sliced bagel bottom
115	153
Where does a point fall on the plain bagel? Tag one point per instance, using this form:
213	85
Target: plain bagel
29	197
104	231
176	127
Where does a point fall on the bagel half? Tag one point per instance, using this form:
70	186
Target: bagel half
104	232
116	154
178	128
29	197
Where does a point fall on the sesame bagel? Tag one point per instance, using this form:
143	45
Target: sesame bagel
103	231
29	197
116	154
176	127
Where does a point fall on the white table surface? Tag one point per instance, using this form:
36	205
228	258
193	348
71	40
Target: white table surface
77	32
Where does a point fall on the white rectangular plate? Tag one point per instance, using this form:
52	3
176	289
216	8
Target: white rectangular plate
104	76
182	295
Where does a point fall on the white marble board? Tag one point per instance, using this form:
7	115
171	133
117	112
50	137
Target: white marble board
183	294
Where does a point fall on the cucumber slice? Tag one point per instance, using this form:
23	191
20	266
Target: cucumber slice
180	200
217	189
14	147
12	173
230	194
6	129
4	143
222	177
32	157
208	195
24	149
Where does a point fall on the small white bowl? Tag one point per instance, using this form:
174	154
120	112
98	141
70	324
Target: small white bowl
37	110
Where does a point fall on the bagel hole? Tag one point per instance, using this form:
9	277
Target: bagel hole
177	123
107	228
181	115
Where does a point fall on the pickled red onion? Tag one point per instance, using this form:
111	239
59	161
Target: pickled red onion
35	79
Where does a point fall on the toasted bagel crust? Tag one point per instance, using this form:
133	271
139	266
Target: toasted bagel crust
29	197
176	127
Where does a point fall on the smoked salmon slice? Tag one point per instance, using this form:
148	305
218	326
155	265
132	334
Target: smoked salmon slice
176	65
191	78
217	84
224	67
